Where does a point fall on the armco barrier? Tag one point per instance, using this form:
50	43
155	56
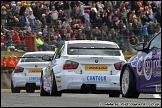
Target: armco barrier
6	77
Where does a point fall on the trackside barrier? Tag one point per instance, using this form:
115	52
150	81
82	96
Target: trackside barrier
6	79
30	43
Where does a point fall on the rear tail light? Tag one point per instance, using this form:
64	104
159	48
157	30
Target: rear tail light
18	69
70	65
118	66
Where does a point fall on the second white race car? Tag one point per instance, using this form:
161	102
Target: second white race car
26	75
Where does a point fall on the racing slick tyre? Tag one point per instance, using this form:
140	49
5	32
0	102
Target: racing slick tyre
114	94
42	91
128	84
14	89
30	91
54	91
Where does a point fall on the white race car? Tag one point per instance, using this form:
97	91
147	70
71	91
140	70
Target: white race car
26	74
83	66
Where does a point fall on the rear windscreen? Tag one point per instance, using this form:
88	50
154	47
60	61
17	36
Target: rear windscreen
34	58
90	49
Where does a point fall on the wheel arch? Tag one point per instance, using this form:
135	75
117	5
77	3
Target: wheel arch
125	66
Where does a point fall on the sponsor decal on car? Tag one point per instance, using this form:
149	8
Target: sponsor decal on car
58	81
59	87
96	78
158	88
148	66
139	65
34	78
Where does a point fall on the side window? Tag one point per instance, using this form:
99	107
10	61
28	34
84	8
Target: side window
156	42
58	52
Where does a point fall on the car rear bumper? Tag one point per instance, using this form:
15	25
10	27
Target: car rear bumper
72	81
21	81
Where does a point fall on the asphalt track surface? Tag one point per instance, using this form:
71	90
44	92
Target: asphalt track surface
24	99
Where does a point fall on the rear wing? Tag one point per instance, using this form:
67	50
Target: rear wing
29	57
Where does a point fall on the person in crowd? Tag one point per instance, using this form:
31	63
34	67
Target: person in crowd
3	62
97	34
37	11
92	15
45	31
145	32
22	9
2	41
88	33
18	7
74	12
104	16
16	39
38	25
49	19
43	20
66	7
52	34
28	8
124	15
157	28
80	12
58	5
64	34
40	43
15	60
87	18
98	21
28	27
59	41
93	7
132	16
158	15
54	14
15	10
3	15
61	15
133	39
151	30
137	29
144	18
100	7
125	36
10	62
24	19
65	24
31	19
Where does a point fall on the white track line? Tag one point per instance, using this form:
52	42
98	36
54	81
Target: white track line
156	95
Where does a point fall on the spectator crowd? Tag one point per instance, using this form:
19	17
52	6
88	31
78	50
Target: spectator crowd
52	22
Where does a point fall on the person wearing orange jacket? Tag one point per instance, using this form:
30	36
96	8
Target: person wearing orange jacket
3	62
15	60
10	62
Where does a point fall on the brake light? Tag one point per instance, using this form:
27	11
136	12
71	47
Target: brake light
118	66
70	65
18	69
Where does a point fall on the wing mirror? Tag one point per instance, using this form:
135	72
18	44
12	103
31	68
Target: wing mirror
46	58
139	46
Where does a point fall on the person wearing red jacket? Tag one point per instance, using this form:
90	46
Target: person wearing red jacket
16	38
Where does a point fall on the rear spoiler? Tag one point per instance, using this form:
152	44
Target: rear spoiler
29	57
